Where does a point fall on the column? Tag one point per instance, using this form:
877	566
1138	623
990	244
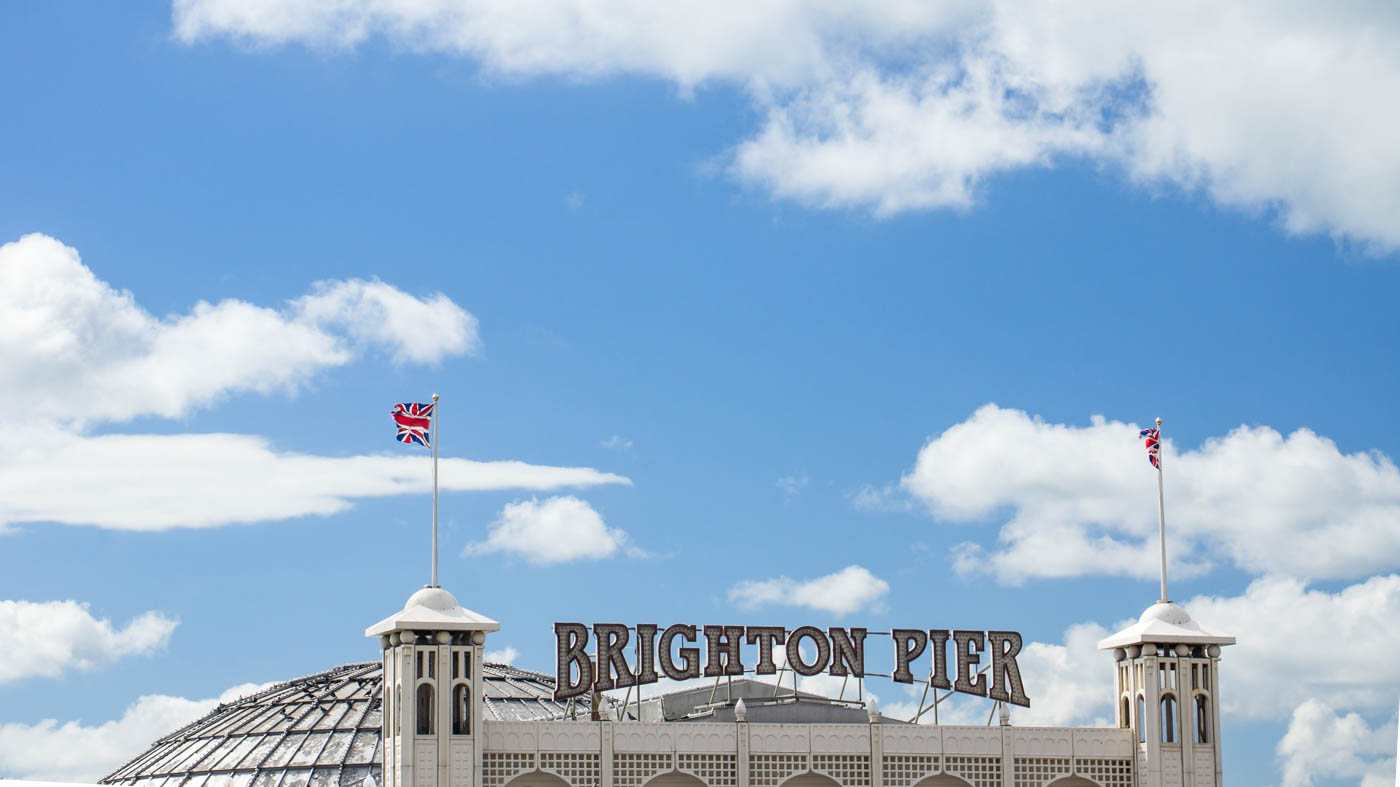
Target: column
605	752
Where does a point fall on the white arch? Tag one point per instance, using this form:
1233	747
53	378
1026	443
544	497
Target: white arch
536	779
1072	781
943	780
809	779
674	779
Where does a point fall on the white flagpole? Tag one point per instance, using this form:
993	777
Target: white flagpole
1161	508
434	496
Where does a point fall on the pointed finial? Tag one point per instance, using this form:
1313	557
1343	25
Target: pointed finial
872	710
741	711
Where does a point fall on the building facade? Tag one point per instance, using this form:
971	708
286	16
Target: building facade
437	732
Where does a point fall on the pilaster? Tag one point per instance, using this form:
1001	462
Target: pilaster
877	754
605	758
1185	718
741	762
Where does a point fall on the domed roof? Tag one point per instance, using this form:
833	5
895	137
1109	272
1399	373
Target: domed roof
432	598
316	731
1164	623
1167	612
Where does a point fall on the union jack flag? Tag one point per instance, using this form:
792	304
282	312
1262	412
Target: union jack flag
1150	439
415	421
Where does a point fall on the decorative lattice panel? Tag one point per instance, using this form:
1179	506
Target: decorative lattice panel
1038	771
631	770
715	770
849	770
578	769
497	768
1108	772
981	771
770	770
902	770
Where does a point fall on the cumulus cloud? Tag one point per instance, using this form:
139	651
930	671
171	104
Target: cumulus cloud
1298	643
67	330
418	330
554	530
158	482
897	105
74	752
1082	500
840	593
506	655
1300	649
59	636
1320	743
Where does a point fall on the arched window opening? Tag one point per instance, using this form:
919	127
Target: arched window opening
1202	718
425	709
398	707
461	710
1142	719
1125	718
1168	718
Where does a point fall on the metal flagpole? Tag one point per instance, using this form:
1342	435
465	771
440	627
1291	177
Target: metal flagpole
1161	509
434	497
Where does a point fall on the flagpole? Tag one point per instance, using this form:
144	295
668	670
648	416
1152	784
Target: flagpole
434	497
1161	508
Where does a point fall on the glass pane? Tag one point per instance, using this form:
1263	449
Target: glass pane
350	777
309	715
334	753
362	749
260	752
306	755
284	751
297	778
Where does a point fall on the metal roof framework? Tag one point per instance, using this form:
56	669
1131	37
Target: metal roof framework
317	731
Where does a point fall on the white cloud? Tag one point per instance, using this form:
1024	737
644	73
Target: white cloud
792	485
555	530
506	655
616	441
1320	743
46	639
72	752
904	105
915	141
840	593
1298	644
158	482
68	331
419	330
1082	500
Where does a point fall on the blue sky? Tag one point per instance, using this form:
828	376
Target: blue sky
782	313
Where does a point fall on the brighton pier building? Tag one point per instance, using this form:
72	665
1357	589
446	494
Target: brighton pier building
430	713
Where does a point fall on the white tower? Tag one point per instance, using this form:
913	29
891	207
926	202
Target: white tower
1167	687
431	701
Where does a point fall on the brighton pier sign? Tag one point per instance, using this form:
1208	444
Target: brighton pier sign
838	651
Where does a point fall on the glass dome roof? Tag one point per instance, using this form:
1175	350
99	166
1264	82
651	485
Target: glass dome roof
316	731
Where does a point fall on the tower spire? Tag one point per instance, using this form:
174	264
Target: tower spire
434	499
1161	508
